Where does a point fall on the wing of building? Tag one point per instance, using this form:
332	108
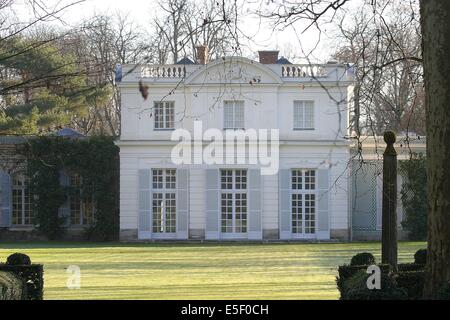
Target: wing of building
307	197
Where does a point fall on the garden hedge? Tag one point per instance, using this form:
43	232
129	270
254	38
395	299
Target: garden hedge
412	281
31	275
345	272
355	288
11	287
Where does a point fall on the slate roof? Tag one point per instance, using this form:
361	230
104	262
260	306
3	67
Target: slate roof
185	60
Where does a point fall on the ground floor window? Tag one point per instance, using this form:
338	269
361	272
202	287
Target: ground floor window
303	201
22	213
233	201
81	205
164	205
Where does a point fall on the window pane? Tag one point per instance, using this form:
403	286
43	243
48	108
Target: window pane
159	118
170	115
226	179
28	212
309	114
310	180
157	178
228	115
310	213
239	115
297	213
171	182
17	206
75	207
297	180
170	216
241	179
298	114
157	204
241	212
226	212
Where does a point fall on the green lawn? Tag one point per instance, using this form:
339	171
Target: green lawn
196	271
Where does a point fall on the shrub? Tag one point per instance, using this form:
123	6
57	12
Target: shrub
410	267
31	275
412	282
363	259
355	288
420	257
345	272
11	286
18	259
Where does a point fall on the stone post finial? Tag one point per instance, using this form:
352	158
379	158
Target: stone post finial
390	138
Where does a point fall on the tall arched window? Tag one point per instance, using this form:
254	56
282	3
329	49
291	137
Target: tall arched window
81	205
22	213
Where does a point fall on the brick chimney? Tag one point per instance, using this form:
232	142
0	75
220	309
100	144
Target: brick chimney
202	54
268	57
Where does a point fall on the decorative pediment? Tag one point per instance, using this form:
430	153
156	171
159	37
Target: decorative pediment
234	70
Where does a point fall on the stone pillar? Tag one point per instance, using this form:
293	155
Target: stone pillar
389	217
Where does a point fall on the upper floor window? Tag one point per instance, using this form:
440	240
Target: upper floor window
22	213
81	204
303	115
233	115
164	115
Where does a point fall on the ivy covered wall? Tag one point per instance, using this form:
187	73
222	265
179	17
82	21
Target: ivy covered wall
96	161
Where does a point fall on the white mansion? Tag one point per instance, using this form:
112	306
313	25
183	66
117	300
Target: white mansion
306	199
319	189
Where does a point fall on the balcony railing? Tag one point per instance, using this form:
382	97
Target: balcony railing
174	72
303	71
163	71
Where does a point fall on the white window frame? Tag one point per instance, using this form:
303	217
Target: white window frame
167	187
300	109
164	115
25	214
303	192
82	204
234	191
237	108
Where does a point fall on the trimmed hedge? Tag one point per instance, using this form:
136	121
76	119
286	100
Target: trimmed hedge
355	288
405	267
18	259
363	259
420	257
11	287
405	283
412	281
32	276
345	272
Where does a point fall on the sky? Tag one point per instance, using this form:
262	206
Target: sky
290	42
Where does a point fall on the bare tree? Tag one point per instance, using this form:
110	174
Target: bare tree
387	57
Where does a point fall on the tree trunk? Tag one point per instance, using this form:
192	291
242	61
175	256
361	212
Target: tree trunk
435	20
